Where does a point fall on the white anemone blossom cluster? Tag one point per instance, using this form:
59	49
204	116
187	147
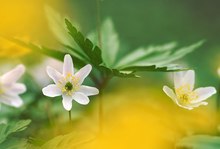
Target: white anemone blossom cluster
10	89
69	84
184	94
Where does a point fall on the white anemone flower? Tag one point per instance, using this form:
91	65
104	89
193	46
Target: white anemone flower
69	84
10	89
185	96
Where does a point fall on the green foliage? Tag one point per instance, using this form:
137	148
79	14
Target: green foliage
110	42
199	142
106	59
92	52
14	143
7	140
71	140
153	58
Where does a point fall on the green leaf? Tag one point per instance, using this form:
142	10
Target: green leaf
71	140
118	73
57	26
160	56
199	142
166	68
7	129
93	52
110	42
14	143
59	55
144	53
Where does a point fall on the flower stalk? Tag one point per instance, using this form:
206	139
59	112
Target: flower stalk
70	116
100	112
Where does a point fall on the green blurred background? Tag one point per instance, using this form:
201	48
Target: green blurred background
139	23
145	22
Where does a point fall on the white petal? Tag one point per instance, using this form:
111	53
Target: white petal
170	93
51	91
67	102
83	73
14	101
189	78
178	78
13	75
199	104
68	65
88	91
81	98
16	88
204	93
54	74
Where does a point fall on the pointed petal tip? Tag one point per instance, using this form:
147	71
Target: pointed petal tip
21	69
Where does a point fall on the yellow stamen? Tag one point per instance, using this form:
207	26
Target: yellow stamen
185	94
69	84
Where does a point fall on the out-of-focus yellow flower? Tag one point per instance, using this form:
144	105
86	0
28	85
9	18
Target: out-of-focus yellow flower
135	118
9	49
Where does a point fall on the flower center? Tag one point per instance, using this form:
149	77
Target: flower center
69	86
185	94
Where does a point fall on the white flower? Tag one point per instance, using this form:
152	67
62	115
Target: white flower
10	89
184	95
69	84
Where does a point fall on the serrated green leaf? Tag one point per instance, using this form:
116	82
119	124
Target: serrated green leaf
145	53
199	142
93	52
110	42
167	68
161	57
7	129
118	73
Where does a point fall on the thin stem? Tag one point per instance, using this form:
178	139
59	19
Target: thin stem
70	117
98	17
218	106
101	115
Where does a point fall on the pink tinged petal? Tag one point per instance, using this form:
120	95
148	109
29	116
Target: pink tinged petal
189	78
68	65
54	74
204	93
14	101
51	91
178	78
17	88
81	98
170	93
88	91
67	102
83	73
13	75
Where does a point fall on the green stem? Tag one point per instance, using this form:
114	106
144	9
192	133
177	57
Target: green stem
101	115
218	105
98	17
70	117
